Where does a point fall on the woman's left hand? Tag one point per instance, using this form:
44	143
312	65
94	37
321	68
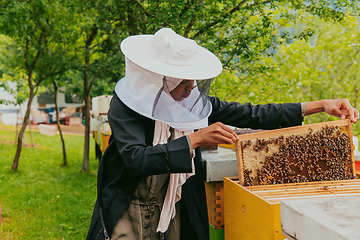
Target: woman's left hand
339	108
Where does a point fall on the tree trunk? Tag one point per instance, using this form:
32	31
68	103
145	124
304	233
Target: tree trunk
85	166
87	90
22	130
58	125
32	141
17	121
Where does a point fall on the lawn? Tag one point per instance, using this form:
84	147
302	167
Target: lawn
44	200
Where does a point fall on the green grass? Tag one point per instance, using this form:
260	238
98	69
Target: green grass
43	200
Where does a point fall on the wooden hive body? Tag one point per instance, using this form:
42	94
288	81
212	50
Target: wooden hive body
215	203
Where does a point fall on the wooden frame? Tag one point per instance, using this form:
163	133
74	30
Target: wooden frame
345	125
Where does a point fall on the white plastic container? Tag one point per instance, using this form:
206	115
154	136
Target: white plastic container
48	130
95	106
95	124
104	104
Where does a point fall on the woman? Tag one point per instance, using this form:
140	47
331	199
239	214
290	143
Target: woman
150	180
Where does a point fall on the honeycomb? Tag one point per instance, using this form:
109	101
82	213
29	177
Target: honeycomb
314	155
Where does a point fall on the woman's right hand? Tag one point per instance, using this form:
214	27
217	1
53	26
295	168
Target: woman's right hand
217	133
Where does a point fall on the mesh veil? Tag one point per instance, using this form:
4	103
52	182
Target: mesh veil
148	93
192	109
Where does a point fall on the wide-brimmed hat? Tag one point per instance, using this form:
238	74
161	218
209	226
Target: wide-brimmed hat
172	55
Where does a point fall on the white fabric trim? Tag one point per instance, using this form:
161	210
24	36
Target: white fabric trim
173	193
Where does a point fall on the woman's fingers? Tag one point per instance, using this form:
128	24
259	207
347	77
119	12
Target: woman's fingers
228	133
217	133
341	108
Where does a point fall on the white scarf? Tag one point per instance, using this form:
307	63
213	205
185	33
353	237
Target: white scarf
173	193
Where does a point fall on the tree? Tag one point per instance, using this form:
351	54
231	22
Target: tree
34	27
56	83
98	52
240	33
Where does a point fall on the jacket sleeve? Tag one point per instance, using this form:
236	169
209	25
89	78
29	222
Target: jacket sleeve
269	116
131	133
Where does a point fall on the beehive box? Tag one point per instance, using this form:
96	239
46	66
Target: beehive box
215	203
253	212
290	163
314	152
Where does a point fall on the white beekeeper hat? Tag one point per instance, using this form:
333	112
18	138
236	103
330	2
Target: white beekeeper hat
171	55
156	64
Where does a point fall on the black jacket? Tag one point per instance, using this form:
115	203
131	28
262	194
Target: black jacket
131	156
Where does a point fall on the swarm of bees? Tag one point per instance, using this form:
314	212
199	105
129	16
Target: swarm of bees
320	155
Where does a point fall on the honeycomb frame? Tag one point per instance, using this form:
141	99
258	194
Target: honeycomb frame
314	152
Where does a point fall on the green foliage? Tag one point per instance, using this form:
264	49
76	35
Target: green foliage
240	33
16	86
324	67
35	48
99	37
266	47
43	200
34	27
12	78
